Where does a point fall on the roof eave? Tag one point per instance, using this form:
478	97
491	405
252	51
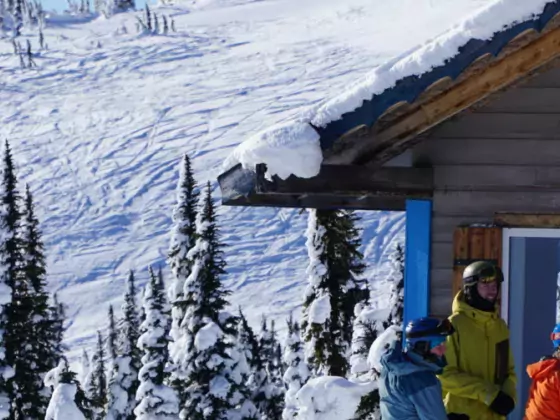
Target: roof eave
346	186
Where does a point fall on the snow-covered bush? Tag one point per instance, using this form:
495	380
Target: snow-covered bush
62	405
368	325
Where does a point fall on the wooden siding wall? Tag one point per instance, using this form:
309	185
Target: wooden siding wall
503	156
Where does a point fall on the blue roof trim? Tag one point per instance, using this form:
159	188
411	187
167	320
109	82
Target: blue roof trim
409	88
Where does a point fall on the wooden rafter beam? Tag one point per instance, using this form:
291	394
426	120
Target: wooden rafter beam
528	220
375	148
343	186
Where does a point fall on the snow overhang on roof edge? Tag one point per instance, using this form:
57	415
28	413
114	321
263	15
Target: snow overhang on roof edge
408	89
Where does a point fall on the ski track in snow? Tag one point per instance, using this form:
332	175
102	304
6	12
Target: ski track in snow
98	130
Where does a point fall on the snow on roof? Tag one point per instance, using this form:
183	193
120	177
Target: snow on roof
294	147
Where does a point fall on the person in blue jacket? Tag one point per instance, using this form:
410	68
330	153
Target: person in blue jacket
408	386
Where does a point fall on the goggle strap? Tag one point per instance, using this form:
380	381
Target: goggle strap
555	336
445	328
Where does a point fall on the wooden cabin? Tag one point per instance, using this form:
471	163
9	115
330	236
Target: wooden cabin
471	152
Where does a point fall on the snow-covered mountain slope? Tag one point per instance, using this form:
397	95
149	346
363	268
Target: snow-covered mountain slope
98	129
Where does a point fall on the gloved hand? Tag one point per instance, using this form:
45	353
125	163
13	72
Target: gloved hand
455	416
503	404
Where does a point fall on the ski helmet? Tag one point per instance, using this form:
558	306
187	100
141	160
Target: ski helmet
555	336
482	271
423	334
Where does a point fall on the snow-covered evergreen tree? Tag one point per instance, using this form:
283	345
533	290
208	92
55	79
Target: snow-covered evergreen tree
130	330
57	317
26	385
156	400
335	287
182	240
112	335
67	399
214	387
97	382
117	398
123	5
247	346
279	365
124	372
268	395
369	324
396	277
297	372
249	341
141	314
161	285
84	367
2	13
276	364
17	14
6	292
46	350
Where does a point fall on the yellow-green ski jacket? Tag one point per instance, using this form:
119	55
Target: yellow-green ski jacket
479	362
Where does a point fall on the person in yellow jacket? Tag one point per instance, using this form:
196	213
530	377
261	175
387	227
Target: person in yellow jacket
479	379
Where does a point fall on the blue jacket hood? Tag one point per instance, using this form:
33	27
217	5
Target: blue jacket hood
408	386
401	363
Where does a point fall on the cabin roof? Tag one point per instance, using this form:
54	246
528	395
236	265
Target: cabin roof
409	89
385	124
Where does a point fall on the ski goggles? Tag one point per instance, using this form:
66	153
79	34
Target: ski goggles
489	275
443	329
488	280
555	336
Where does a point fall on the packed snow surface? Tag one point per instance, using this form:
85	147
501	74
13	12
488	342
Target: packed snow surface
276	146
98	129
331	398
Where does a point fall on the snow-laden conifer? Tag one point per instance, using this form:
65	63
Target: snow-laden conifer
275	365
369	324
297	372
268	393
57	318
96	384
84	366
246	351
45	352
123	382
156	400
214	383
249	341
183	237
112	335
25	387
6	292
335	287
